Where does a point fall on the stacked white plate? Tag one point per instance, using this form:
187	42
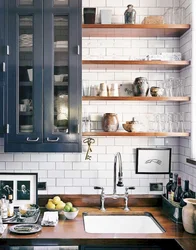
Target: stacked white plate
26	128
26	40
61	44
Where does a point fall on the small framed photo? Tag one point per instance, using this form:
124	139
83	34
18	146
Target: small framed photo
22	187
153	160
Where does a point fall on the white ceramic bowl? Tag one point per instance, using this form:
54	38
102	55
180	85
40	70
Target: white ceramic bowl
59	78
70	215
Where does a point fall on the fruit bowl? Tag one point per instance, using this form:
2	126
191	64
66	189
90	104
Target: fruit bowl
70	215
28	210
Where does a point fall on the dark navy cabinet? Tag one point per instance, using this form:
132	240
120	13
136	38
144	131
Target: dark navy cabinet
2	65
44	76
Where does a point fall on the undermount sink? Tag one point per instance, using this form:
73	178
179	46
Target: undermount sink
121	223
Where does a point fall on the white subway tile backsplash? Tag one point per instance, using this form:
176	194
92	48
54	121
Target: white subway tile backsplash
70	173
81	182
114	3
64	165
56	173
64	182
6	157
80	166
2	166
72	190
46	165
30	165
56	190
149	3
22	157
12	166
55	157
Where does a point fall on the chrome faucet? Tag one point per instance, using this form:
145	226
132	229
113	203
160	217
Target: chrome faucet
119	184
120	172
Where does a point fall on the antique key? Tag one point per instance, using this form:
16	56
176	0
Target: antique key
89	141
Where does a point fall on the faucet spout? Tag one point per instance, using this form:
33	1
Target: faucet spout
120	172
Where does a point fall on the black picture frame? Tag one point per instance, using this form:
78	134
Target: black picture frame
16	180
153	160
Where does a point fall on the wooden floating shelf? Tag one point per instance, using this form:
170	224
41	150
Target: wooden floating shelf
134	30
140	64
148	134
137	98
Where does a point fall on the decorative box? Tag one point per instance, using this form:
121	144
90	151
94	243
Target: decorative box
153	20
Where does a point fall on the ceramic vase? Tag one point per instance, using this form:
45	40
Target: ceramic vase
110	122
140	86
189	216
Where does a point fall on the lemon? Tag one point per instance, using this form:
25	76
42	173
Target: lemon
60	205
50	200
50	205
56	199
67	208
69	204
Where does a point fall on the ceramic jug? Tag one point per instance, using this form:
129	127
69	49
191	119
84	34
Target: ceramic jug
189	215
110	122
140	86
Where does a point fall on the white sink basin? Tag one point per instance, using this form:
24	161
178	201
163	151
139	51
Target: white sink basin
121	223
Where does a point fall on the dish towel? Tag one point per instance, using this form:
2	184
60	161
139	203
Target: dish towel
50	219
2	228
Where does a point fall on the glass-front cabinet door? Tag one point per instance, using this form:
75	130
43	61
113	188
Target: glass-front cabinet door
44	78
25	71
61	85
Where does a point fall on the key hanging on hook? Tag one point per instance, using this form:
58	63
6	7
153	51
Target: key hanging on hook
89	141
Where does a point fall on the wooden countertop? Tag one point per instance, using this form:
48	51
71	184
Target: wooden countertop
71	232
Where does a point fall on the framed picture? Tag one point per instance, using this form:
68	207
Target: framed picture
153	160
22	186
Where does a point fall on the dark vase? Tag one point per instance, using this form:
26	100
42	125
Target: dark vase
110	122
140	86
89	15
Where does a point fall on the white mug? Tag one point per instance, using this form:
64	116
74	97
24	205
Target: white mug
23	107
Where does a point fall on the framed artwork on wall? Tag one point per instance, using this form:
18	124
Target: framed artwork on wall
153	160
22	187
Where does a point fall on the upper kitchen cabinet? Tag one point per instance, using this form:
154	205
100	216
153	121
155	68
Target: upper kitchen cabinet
2	65
44	76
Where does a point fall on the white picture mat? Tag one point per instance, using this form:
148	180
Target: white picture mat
22	177
162	156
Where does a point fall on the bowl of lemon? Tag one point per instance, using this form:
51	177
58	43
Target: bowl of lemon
70	212
55	204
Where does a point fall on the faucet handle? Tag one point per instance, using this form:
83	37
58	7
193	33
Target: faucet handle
102	188
128	188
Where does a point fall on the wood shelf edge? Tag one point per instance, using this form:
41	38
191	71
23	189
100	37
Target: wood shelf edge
137	26
135	62
136	98
147	134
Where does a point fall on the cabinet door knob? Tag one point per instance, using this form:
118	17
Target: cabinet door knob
33	140
52	140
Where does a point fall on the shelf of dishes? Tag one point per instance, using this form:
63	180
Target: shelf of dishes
26	75
171	89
